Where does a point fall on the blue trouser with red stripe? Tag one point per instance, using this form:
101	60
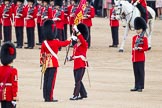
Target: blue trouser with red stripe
49	83
79	86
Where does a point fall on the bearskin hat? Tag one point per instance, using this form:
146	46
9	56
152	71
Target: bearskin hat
89	1
83	30
48	30
20	1
31	1
76	1
140	23
46	1
8	53
8	0
58	2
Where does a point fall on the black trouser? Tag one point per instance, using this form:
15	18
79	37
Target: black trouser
59	34
139	74
115	37
0	31
49	83
65	32
30	36
79	87
143	11
40	40
19	35
71	31
6	104
7	33
89	38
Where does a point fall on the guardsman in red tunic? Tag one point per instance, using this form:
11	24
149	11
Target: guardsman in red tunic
66	17
142	6
31	12
114	24
1	5
58	18
48	57
6	20
39	13
19	14
46	13
139	46
8	77
80	61
89	13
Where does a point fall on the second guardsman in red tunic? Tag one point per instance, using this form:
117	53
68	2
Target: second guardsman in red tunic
139	46
49	59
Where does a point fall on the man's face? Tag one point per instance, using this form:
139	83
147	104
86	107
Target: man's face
52	3
45	3
19	3
6	2
72	2
39	1
30	3
139	31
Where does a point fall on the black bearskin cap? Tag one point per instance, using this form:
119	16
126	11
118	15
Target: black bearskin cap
21	1
48	30
46	1
89	1
8	53
58	2
76	1
31	1
83	30
140	23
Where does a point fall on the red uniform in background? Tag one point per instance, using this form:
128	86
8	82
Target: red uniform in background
19	15
1	5
6	21
114	24
89	13
30	25
46	14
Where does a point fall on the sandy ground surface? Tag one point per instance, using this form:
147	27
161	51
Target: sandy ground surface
110	72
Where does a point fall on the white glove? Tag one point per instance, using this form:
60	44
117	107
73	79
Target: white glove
112	17
69	58
13	103
45	17
74	38
75	28
135	4
117	17
54	19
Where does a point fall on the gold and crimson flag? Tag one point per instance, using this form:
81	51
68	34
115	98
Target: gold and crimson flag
80	12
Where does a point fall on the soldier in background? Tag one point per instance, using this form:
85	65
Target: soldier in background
31	12
19	14
46	14
1	5
6	20
39	13
58	18
89	13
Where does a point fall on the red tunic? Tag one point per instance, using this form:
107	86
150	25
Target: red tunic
142	2
50	60
139	55
72	14
31	22
59	23
1	13
12	87
66	15
39	12
19	22
88	21
113	23
6	20
80	50
48	13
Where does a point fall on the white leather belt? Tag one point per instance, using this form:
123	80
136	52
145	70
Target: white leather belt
80	56
7	84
